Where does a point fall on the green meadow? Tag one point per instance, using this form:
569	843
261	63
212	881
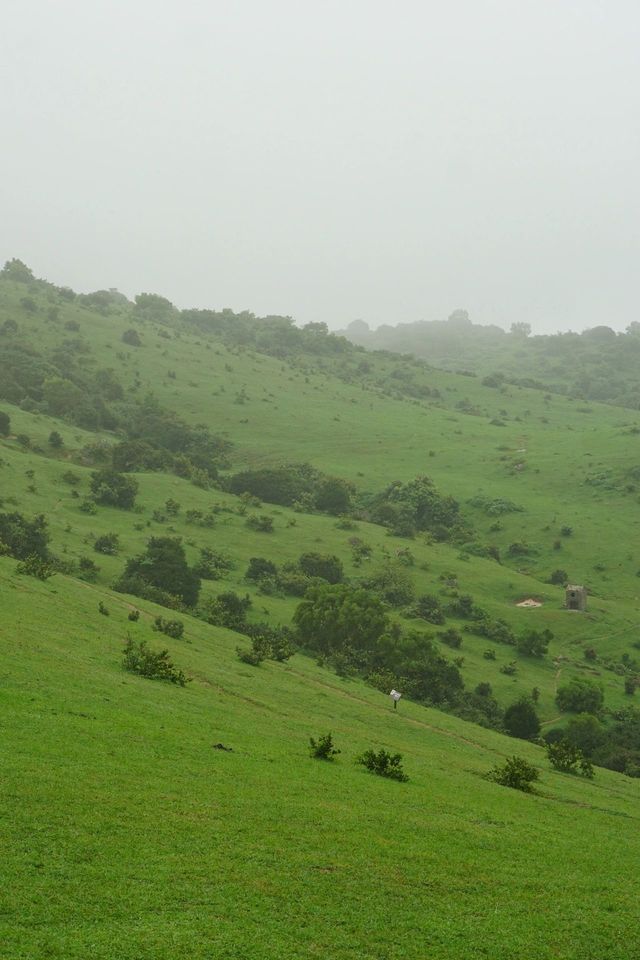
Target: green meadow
127	834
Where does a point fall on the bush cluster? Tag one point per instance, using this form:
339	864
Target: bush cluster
153	664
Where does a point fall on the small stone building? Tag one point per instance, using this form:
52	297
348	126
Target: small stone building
575	597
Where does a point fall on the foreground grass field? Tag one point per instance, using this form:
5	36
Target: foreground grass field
128	836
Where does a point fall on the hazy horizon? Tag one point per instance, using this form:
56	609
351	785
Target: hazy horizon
345	162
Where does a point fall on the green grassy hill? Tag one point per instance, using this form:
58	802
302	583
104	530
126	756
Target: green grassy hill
562	464
595	365
128	835
610	623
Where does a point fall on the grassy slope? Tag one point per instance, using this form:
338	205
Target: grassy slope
355	431
372	439
497	588
127	836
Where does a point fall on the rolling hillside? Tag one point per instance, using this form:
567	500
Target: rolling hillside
129	833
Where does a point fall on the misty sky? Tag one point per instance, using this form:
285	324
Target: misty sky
329	160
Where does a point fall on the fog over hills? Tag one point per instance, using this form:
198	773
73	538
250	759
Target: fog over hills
347	161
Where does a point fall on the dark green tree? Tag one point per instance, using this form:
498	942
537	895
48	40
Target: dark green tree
24	538
521	720
580	696
334	496
423	672
152	306
5	424
326	567
163	565
16	270
515	772
113	489
428	608
131	337
559	577
340	619
229	610
108	544
261	569
535	643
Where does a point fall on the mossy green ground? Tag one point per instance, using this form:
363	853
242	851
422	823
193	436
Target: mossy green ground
126	835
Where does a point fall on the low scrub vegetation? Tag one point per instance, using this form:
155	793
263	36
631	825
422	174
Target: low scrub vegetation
152	664
383	764
515	772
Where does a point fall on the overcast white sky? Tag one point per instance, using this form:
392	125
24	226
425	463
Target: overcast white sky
334	160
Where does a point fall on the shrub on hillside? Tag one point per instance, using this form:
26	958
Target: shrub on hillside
580	696
520	549
497	630
534	643
428	608
462	606
212	564
88	569
515	772
132	338
383	764
392	583
323	748
55	440
153	664
133	615
495	507
73	479
113	489
262	524
5	424
336	618
261	569
334	496
252	656
172	628
275	643
521	720
24	538
108	544
228	610
282	485
325	567
34	566
162	566
559	578
451	637
293	582
567	758
297	485
416	506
